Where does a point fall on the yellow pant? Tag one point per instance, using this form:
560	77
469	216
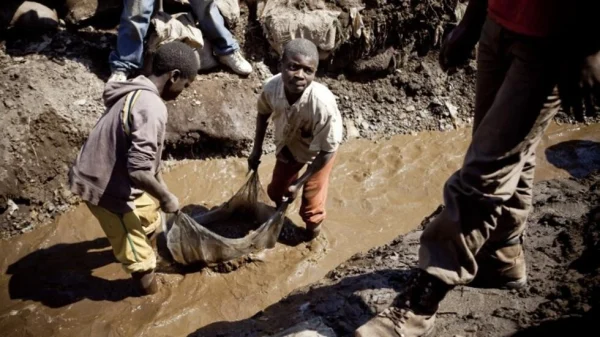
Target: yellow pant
127	233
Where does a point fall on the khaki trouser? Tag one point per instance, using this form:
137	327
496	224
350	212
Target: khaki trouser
488	200
127	233
314	194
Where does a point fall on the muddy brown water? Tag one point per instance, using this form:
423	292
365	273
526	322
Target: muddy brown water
61	280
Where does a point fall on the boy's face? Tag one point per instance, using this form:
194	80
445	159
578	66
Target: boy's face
298	72
175	85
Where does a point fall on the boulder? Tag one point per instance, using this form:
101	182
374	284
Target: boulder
218	111
79	11
34	17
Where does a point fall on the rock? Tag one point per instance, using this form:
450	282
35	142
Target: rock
79	11
11	207
34	17
80	102
351	130
263	71
9	103
452	109
384	62
223	110
410	108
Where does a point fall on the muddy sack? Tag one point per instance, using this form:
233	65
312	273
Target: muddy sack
283	21
242	225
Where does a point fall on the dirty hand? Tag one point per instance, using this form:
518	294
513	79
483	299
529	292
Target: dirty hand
580	87
291	194
457	46
170	203
254	160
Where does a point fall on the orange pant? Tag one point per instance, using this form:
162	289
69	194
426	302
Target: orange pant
314	194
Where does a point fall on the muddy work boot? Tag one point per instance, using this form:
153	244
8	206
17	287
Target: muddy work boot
413	318
145	282
501	266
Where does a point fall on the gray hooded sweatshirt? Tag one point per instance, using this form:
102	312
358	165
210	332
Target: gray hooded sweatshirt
100	174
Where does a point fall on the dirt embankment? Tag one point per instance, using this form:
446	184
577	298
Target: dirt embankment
562	297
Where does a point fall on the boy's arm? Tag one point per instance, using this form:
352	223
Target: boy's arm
146	129
327	134
149	183
461	41
262	122
320	161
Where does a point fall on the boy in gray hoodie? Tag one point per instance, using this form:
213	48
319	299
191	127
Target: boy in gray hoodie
118	167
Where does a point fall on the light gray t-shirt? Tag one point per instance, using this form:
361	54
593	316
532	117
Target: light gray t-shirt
310	125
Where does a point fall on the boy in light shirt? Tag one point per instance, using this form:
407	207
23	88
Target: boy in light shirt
308	130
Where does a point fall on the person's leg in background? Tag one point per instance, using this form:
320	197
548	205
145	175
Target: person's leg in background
519	75
225	46
127	58
314	197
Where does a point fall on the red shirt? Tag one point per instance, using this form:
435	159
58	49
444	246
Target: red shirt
538	18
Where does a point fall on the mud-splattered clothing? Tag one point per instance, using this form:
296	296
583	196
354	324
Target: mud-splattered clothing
488	200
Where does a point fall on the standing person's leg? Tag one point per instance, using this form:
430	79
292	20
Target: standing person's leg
480	198
225	46
130	245
503	142
501	261
314	197
128	56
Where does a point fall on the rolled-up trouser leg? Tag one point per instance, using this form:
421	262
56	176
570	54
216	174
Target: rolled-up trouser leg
500	155
314	196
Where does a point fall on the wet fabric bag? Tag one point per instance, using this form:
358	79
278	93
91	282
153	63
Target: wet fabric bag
190	241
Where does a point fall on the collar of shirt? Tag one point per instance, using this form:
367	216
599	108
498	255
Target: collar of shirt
293	107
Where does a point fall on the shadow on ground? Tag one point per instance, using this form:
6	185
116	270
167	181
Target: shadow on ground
347	299
62	275
578	157
566	326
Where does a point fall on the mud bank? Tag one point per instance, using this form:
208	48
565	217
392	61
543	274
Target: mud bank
61	279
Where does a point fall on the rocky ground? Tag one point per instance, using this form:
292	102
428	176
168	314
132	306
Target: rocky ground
562	297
